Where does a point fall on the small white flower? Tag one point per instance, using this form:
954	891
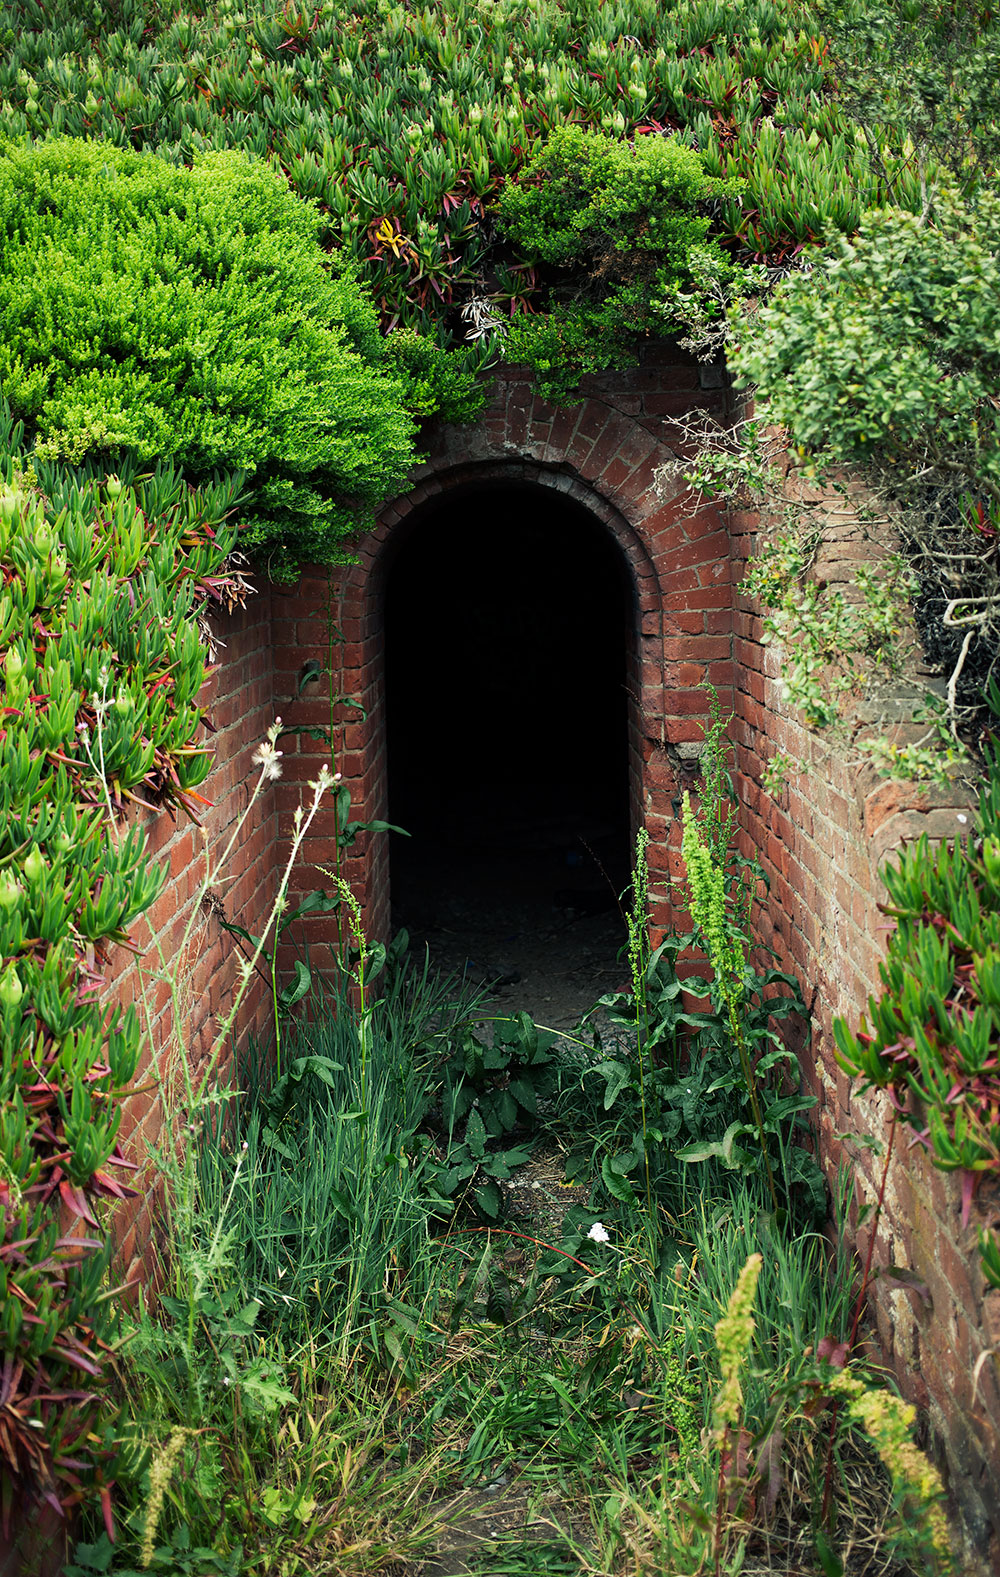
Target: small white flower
599	1233
268	758
961	818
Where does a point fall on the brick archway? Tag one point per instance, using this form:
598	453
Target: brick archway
678	564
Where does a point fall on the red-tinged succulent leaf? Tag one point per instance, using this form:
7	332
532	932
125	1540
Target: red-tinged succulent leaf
101	1183
71	1248
116	1158
107	1513
75	1201
15	1248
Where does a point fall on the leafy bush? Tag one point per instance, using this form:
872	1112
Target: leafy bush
921	77
886	354
888	344
621	225
101	587
671	1088
191	315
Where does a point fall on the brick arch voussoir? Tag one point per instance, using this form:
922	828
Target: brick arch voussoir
368	575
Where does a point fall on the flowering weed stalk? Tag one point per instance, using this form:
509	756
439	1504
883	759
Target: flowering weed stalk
727	951
733	1335
637	920
176	1157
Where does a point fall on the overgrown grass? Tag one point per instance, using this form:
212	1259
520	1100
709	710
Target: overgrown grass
323	1176
352	1353
353	1337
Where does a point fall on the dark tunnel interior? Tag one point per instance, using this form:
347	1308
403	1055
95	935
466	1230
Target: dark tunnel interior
507	630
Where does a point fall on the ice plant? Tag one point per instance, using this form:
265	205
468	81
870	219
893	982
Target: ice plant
98	711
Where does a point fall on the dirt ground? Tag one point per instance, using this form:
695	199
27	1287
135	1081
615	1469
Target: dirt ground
541	928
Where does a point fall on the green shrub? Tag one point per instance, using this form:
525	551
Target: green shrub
435	381
885	356
888	345
613	227
191	315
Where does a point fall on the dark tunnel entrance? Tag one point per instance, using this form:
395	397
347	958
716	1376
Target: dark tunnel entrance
508	622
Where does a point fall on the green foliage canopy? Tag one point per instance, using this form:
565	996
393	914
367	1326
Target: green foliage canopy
403	122
922	75
615	226
191	315
890	342
885	355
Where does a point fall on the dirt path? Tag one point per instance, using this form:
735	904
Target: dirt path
542	929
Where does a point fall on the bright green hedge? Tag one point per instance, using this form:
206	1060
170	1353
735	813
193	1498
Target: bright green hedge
620	226
191	315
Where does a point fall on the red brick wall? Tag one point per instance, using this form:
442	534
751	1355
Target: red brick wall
821	840
238	698
603	454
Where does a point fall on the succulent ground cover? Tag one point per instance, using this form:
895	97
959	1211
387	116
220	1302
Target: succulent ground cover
404	122
101	586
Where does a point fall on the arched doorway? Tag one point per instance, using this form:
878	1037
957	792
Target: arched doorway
509	623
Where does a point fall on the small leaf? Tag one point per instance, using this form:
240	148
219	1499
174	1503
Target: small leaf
475	1134
308	674
340	1204
828	1558
900	1276
297	989
698	1152
616	1076
488	1199
834	1352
